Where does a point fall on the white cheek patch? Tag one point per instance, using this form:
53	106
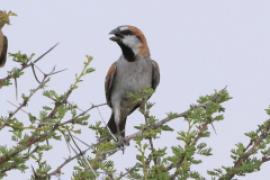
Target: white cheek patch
133	42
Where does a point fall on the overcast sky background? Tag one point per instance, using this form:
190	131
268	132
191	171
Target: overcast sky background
199	45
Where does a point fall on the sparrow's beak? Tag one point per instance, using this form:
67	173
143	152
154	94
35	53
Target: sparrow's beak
117	35
115	31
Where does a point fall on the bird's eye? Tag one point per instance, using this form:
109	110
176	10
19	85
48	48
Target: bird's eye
126	32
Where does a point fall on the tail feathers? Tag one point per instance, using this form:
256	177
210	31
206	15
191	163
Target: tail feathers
122	126
111	124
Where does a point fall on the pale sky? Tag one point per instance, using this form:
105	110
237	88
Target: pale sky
199	45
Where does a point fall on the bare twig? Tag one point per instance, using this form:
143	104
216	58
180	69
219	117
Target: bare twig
25	101
81	141
58	170
93	106
35	74
44	54
16	88
82	155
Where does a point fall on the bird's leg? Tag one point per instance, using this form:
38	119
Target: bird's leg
117	123
121	139
117	119
122	127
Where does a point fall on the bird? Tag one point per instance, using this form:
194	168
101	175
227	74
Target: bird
3	39
133	72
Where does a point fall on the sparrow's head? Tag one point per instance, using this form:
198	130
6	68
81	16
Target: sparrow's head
131	40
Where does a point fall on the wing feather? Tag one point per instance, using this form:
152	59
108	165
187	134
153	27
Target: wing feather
109	82
3	52
155	74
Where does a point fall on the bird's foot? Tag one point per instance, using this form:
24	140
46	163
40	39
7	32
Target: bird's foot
121	143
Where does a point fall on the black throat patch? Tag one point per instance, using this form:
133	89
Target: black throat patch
127	52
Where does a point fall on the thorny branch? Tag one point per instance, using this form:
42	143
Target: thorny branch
31	140
202	128
40	86
14	165
128	138
93	106
58	170
27	65
35	139
250	149
158	124
82	154
25	101
145	112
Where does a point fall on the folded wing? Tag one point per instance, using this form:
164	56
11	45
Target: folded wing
109	82
3	51
155	75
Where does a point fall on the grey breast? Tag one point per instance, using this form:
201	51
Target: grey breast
131	77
